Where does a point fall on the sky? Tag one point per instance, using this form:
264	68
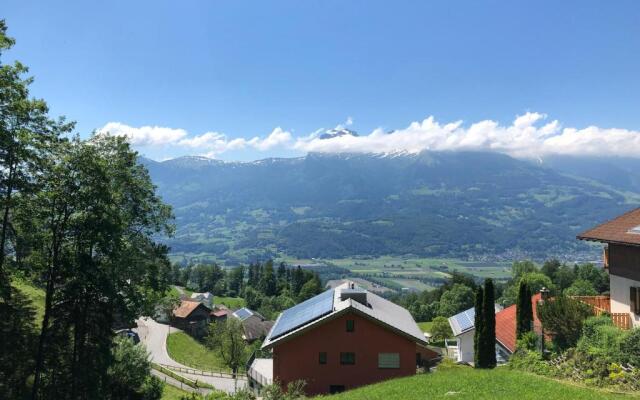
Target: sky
239	80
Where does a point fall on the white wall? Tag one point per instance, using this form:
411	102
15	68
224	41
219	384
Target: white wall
620	297
465	346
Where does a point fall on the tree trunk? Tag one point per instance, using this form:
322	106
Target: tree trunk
5	292
43	333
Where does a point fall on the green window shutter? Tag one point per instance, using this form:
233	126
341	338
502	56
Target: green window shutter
350	325
389	360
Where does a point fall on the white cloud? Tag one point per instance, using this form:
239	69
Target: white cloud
528	136
145	135
208	143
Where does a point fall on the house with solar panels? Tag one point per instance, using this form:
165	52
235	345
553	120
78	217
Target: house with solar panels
463	328
254	325
340	339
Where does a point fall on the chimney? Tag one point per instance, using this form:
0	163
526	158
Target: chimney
355	294
544	294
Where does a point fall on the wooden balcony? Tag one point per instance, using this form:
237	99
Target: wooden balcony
602	305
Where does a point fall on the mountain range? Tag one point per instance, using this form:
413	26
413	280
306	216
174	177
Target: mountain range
435	204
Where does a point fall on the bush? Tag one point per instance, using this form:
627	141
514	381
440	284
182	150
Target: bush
601	339
563	317
528	341
530	361
630	348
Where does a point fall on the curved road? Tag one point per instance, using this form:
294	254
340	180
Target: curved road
154	336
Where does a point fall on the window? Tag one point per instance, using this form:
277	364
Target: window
634	300
333	389
322	357
350	325
388	360
347	358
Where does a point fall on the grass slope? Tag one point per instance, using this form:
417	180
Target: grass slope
172	393
33	293
188	351
460	382
232	302
425	326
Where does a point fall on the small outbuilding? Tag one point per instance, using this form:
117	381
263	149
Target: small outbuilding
192	317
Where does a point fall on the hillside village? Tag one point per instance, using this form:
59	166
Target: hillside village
346	337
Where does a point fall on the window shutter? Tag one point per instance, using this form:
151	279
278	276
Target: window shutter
388	360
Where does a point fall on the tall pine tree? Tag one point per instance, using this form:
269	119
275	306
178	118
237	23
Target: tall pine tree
524	310
479	326
489	328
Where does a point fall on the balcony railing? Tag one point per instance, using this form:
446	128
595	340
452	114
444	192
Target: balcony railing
602	305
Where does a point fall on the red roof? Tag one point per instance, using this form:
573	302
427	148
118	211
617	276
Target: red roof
618	230
186	307
506	324
220	313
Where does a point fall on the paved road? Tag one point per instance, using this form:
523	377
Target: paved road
154	336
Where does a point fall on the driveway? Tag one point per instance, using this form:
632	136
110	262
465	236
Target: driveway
154	336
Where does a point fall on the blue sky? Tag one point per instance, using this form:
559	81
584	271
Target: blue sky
240	70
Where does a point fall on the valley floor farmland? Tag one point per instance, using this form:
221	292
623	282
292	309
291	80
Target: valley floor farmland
413	273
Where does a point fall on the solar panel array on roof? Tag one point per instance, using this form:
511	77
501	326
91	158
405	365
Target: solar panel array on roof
465	320
303	313
243	314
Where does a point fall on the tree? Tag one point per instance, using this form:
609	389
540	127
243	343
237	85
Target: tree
440	328
309	289
226	339
479	327
524	310
130	372
580	287
92	228
596	276
520	268
455	300
489	325
268	282
563	318
25	132
550	268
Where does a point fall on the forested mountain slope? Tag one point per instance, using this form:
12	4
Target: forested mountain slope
453	204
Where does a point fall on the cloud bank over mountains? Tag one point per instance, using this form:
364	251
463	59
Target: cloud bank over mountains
529	136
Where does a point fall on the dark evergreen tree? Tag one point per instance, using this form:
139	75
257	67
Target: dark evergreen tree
524	310
268	282
489	328
479	326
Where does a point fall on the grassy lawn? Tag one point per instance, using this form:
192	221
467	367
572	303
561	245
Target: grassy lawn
188	351
172	393
35	294
425	326
231	302
460	382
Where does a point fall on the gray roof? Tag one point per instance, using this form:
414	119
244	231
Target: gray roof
378	309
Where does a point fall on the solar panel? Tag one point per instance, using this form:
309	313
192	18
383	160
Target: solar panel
303	313
465	319
243	314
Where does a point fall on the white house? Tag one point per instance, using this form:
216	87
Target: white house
463	328
622	259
